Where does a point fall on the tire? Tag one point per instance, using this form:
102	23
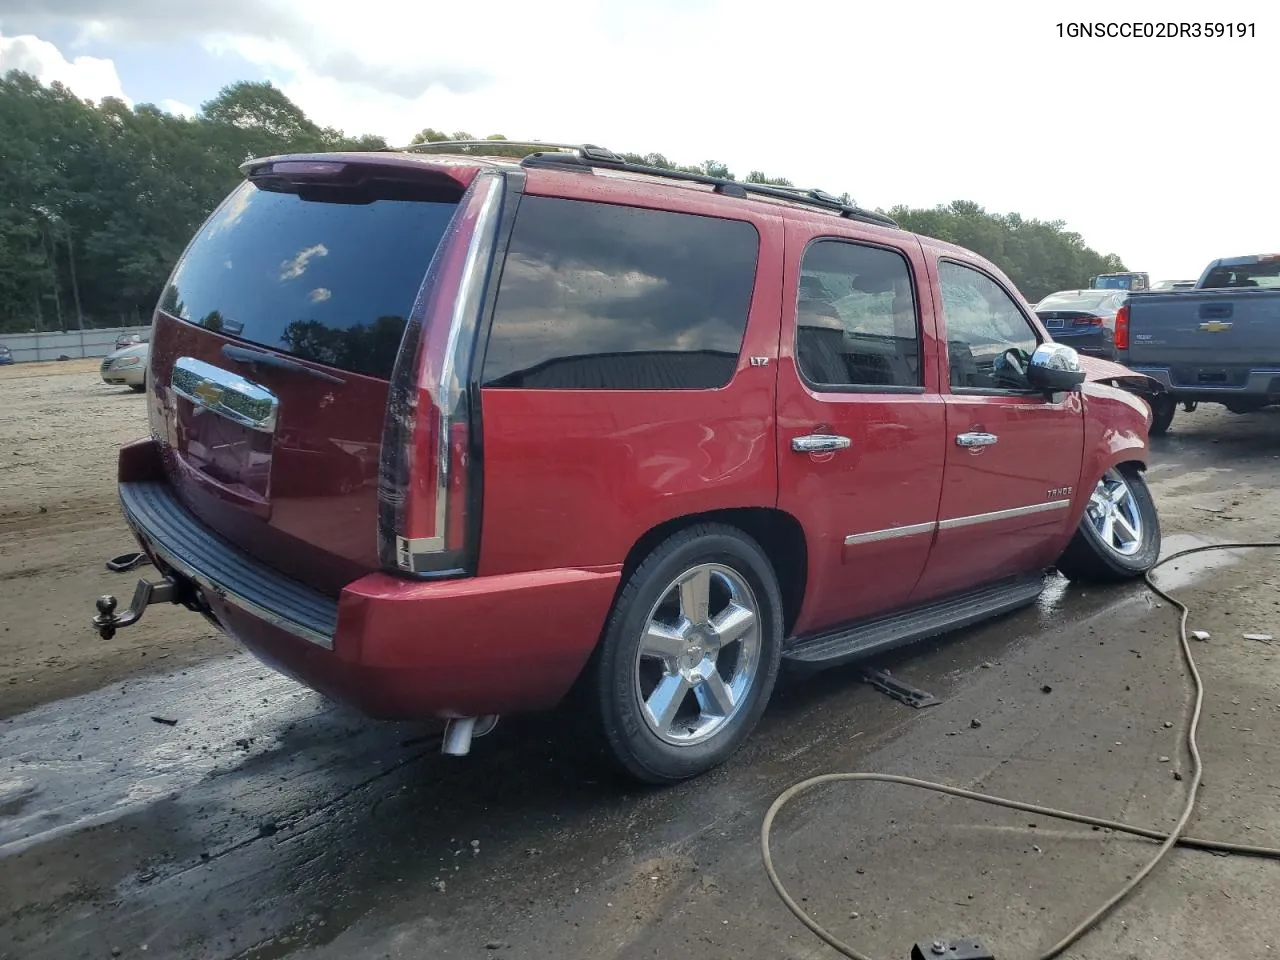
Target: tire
1093	558
139	387
626	687
1162	410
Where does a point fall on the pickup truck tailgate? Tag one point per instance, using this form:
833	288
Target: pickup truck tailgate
1206	337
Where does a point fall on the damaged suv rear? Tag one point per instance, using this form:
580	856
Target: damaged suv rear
453	437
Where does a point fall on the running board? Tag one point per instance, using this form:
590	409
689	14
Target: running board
862	639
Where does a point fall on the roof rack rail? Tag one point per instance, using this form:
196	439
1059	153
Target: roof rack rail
585	150
591	156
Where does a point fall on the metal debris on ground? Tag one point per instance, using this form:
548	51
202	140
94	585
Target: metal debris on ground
902	692
1201	634
126	562
1260	637
967	949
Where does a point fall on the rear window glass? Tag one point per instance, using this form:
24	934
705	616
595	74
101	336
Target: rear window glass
324	281
602	297
1265	274
1082	301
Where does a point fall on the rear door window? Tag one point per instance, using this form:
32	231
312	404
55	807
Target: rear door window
604	297
331	282
856	323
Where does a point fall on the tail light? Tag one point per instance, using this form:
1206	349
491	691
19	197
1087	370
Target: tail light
425	481
1122	328
1087	322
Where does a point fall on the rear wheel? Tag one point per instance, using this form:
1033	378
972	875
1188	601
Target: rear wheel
689	655
1119	534
1162	410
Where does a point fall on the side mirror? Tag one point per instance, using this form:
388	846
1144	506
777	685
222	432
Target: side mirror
1054	368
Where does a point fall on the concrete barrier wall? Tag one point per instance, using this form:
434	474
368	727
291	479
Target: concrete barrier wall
78	344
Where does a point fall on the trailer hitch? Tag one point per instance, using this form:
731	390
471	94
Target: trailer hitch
107	622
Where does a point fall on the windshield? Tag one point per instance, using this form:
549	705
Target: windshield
1245	275
1113	283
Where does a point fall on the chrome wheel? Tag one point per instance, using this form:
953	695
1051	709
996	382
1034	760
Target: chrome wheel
699	654
1115	516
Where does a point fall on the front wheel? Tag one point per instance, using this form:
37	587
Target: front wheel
689	656
1119	534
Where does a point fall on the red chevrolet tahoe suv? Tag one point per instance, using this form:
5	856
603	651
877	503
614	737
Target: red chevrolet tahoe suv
446	436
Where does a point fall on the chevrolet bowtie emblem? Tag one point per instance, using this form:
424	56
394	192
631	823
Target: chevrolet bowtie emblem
1215	326
210	394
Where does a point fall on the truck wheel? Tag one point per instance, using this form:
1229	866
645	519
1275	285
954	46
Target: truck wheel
1119	534
689	655
1162	410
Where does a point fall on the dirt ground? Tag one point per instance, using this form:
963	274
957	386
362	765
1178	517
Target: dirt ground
60	428
260	821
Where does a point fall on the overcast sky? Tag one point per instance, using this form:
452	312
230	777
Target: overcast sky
1163	151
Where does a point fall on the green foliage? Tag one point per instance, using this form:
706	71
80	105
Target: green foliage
1039	257
755	176
98	201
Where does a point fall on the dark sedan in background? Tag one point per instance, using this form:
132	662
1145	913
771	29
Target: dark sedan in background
1083	319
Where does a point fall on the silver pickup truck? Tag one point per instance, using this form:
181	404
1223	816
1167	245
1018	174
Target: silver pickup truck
1218	342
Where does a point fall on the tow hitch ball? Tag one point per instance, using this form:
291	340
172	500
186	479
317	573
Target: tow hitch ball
107	622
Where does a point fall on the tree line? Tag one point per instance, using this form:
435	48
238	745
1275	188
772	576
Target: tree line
97	201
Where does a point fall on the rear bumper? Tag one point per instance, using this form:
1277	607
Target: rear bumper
1258	382
1095	343
393	648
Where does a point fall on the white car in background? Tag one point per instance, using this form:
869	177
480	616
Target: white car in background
127	366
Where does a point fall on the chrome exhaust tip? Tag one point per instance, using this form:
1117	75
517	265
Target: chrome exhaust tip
459	732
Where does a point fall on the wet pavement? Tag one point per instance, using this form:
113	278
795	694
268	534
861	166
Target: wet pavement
253	819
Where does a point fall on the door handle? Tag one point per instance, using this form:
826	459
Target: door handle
820	443
976	439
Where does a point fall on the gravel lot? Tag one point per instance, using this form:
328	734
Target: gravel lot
60	428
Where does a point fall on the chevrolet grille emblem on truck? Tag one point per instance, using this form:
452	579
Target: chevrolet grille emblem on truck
1215	326
209	393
